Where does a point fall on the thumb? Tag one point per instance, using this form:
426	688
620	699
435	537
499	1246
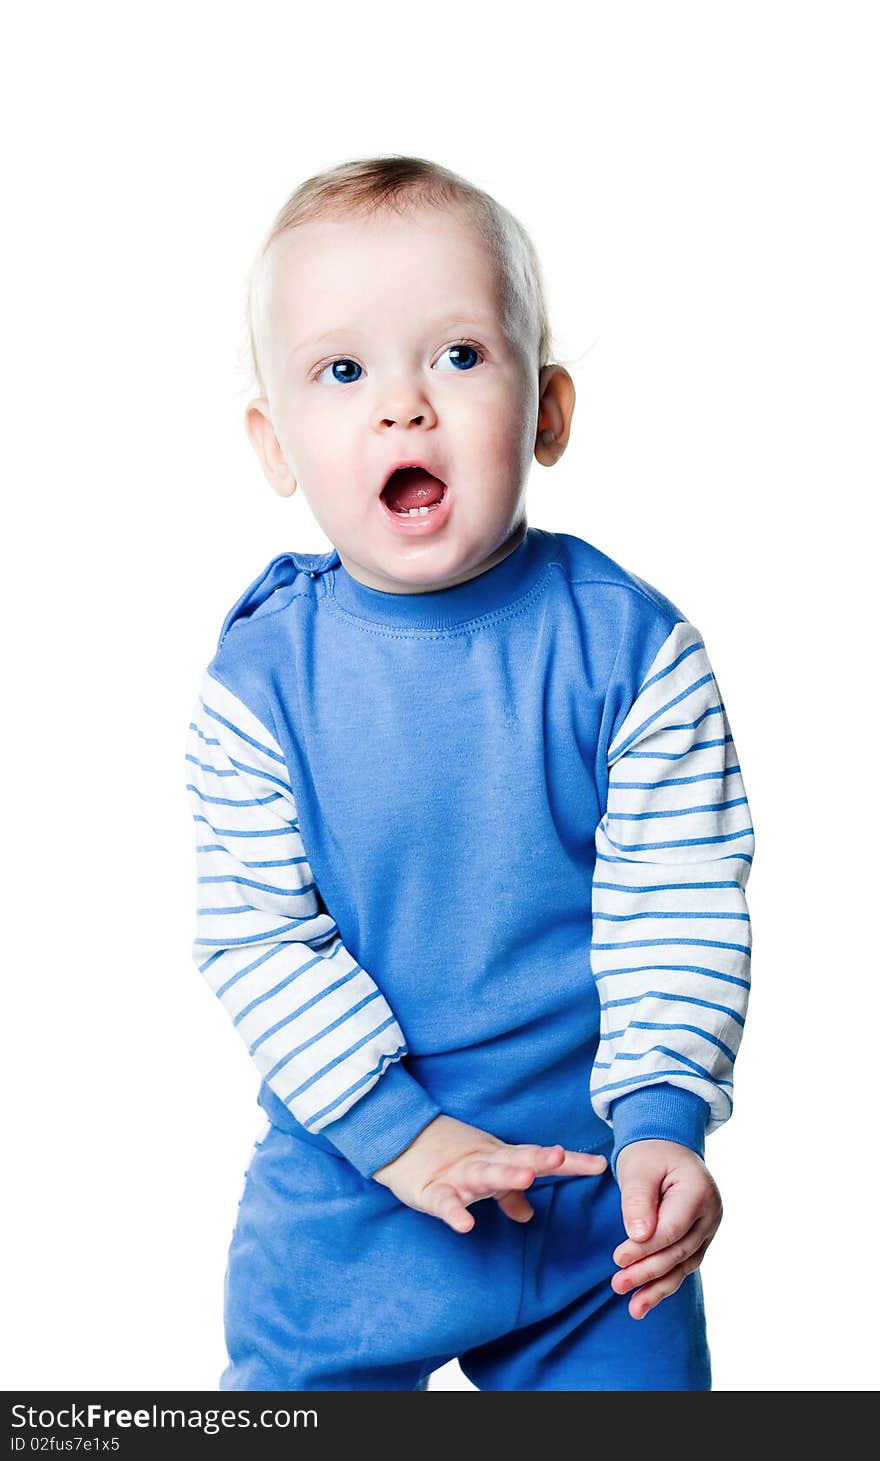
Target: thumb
638	1203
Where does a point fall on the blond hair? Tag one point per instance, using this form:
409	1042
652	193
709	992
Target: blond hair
365	185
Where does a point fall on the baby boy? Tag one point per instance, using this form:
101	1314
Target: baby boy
472	846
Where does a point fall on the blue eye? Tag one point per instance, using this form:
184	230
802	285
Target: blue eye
463	357
343	380
465	350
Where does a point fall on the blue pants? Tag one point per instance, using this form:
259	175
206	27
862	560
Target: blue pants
333	1284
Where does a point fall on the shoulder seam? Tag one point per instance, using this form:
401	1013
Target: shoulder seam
634	589
267	613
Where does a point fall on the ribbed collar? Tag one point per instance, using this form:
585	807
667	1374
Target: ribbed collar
498	588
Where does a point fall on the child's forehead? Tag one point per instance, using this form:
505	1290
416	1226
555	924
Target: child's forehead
385	226
426	247
435	260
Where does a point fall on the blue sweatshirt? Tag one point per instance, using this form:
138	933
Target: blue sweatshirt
480	851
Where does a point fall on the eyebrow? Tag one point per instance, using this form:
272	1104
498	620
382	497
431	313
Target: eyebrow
444	321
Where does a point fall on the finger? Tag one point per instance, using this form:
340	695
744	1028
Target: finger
678	1211
639	1198
582	1164
559	1159
516	1206
442	1201
646	1269
488	1176
653	1294
540	1157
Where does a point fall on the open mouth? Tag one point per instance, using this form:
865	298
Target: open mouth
413	492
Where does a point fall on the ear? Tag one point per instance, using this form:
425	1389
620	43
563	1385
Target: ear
258	424
555	408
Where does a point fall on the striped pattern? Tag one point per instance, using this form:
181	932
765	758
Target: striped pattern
671	930
317	1027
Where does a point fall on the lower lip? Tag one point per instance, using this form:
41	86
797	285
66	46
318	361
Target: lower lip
421	523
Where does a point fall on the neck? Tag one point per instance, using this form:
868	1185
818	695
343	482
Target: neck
518	569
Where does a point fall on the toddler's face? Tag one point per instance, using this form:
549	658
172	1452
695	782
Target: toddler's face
383	341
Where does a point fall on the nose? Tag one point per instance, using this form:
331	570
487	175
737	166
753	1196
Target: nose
406	405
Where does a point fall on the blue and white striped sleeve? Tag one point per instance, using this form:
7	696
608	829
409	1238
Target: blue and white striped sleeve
671	929
318	1028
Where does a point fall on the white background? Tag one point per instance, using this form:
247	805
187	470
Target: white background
700	180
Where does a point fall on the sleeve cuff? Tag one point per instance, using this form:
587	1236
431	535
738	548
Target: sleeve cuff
381	1125
662	1112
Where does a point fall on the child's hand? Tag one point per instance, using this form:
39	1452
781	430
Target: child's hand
689	1214
451	1164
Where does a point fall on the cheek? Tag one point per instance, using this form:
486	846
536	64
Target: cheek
320	440
513	417
498	427
509	445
